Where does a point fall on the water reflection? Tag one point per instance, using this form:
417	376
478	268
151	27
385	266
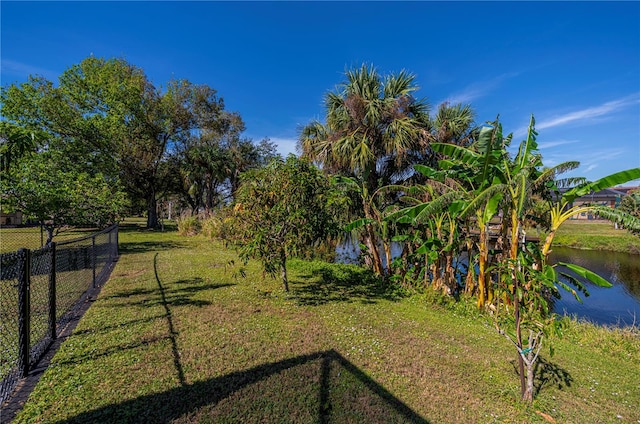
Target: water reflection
618	305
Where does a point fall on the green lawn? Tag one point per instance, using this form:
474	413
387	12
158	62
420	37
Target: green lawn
12	239
183	333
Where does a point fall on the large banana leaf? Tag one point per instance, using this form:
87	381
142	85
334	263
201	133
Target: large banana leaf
456	152
604	182
358	223
589	275
627	221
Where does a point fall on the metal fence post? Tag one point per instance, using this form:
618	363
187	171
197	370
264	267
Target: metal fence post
52	292
93	258
117	239
24	330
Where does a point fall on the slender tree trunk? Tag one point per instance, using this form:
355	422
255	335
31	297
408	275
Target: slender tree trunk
283	269
547	244
450	278
371	241
387	253
470	284
49	229
518	334
482	265
427	268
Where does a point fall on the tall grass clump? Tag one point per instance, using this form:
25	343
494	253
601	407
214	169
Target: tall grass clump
218	225
188	225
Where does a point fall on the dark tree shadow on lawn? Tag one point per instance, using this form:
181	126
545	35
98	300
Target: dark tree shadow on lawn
547	374
169	295
320	387
149	246
327	283
108	328
141	227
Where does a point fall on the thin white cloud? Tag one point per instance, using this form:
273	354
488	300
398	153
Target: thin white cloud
589	159
591	167
477	90
588	114
11	67
555	143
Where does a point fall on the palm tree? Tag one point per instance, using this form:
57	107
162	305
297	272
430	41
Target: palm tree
454	124
374	131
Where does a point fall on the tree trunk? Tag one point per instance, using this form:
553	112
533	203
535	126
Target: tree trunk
470	284
152	210
450	278
518	320
283	269
387	253
370	242
483	257
49	229
528	392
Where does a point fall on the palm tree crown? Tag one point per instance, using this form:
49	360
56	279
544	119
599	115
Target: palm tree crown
373	125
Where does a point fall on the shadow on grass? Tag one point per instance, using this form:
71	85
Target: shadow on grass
140	225
108	328
327	283
148	246
547	374
320	387
79	359
166	298
169	296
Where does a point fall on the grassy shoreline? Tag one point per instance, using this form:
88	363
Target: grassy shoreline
183	333
596	235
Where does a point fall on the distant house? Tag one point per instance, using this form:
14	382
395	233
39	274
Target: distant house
626	190
10	219
609	197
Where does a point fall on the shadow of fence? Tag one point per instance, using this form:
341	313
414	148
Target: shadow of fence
319	387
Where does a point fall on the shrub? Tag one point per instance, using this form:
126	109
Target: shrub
219	225
188	225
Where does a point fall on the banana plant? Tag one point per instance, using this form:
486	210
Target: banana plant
479	168
433	214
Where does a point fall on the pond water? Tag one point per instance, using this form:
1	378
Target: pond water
617	305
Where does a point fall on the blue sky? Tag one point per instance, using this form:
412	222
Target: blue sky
574	65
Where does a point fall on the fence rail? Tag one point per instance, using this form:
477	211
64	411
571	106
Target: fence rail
38	290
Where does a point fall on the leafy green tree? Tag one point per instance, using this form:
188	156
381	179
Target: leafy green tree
54	193
15	143
282	209
109	118
375	129
210	164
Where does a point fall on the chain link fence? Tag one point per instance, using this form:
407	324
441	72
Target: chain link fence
38	289
9	373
